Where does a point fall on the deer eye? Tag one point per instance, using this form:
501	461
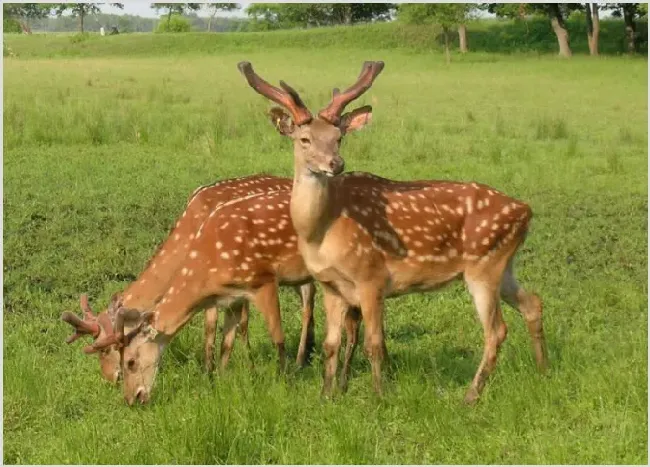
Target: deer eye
131	364
305	141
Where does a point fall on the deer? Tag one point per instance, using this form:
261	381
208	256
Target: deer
149	287
244	251
365	238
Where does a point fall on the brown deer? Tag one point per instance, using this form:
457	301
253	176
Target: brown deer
242	252
143	293
369	238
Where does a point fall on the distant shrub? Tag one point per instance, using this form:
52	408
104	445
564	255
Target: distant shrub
11	25
79	37
174	24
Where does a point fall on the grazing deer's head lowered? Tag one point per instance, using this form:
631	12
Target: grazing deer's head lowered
152	283
366	238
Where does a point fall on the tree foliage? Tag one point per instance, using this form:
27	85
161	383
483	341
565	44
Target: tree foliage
291	15
81	10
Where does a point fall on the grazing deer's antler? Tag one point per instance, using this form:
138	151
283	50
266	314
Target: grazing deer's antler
286	97
332	113
115	335
88	326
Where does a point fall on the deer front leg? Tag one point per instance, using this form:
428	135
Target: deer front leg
266	300
372	307
243	332
209	337
307	293
335	307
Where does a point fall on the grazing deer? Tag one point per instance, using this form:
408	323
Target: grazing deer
369	238
143	293
243	251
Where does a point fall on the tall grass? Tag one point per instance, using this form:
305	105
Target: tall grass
101	154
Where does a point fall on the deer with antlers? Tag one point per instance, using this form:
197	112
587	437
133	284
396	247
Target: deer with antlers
243	251
366	238
143	293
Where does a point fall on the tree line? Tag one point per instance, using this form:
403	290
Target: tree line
447	18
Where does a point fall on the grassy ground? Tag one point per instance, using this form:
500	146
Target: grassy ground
101	154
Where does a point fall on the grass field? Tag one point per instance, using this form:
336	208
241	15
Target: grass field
100	155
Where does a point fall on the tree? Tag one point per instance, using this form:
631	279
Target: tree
593	27
556	13
81	10
22	12
178	8
630	12
214	8
444	15
291	15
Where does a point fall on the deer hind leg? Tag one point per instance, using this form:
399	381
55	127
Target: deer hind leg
232	318
484	293
267	302
529	306
307	293
209	337
352	322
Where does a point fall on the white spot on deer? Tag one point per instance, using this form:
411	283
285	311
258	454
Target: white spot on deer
473	244
238	239
495	226
184	272
177	236
485	241
244	266
219	245
506	226
194	254
235	252
479	204
505	210
225	255
486	201
190	272
459	211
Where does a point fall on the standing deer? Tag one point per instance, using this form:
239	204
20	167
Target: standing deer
242	252
143	293
366	239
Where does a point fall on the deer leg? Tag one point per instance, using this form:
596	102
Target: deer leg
335	307
307	293
266	300
352	323
529	306
209	336
486	301
231	320
243	331
372	307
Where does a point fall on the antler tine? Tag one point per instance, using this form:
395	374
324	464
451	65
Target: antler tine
286	97
114	335
369	71
81	327
85	306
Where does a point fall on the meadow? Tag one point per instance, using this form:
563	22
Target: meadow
101	153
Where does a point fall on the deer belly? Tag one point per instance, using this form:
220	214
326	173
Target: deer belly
407	278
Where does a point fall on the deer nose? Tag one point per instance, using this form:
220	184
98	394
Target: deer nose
141	395
337	165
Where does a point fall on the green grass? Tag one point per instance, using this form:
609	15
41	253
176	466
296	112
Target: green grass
101	154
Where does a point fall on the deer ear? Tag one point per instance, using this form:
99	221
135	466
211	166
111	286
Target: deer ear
281	121
356	119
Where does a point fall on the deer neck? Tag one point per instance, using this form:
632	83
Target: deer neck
312	198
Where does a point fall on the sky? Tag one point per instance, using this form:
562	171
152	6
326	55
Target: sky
143	9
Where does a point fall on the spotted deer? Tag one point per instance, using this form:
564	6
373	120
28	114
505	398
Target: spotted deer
367	238
243	251
144	292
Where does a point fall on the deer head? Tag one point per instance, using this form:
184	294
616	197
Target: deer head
99	327
139	350
316	141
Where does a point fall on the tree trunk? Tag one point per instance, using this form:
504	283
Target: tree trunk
447	54
81	21
169	19
210	23
462	37
630	27
560	30
593	27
